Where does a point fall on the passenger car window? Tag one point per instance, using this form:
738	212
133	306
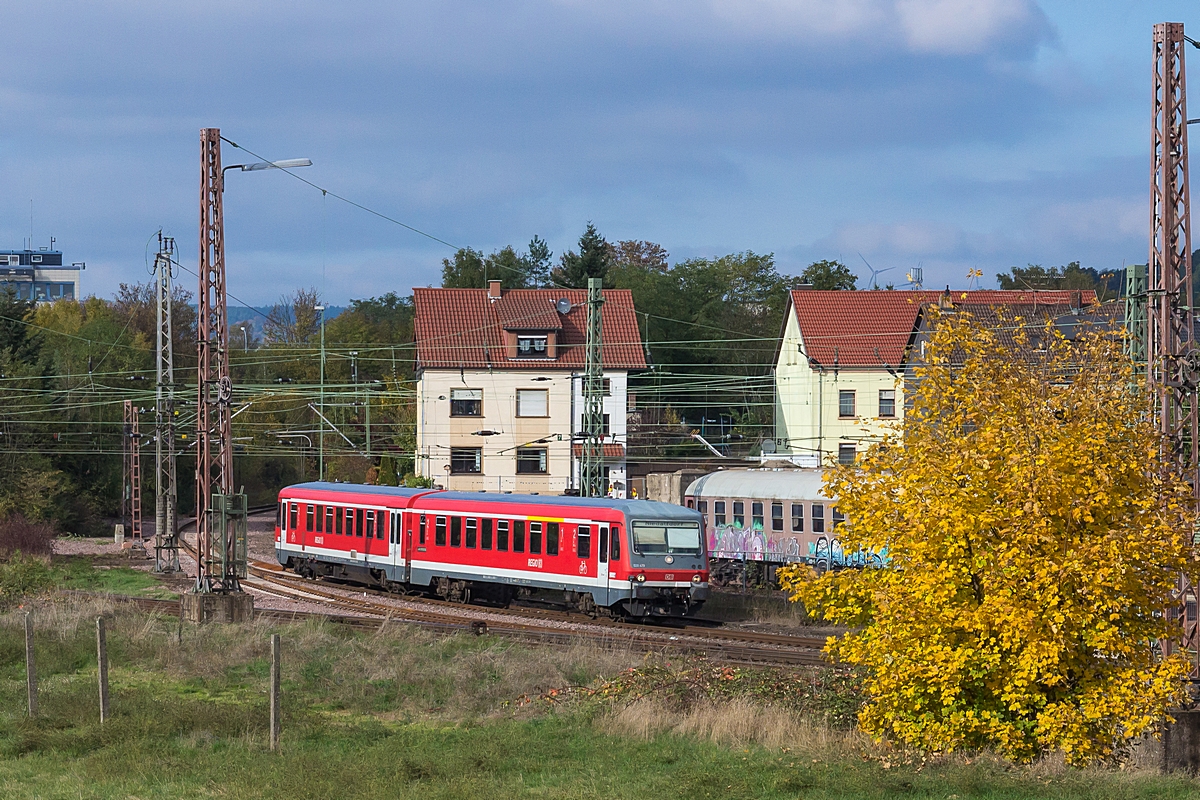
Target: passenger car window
535	537
518	536
551	538
502	535
439	532
583	542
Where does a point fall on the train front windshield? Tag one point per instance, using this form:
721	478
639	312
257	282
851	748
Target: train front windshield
675	538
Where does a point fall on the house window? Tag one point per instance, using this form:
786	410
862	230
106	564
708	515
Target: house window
776	516
531	346
846	403
797	517
887	402
818	517
466	460
531	461
466	402
847	452
533	403
607	387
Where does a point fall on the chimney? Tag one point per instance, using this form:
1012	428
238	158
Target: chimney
493	290
944	302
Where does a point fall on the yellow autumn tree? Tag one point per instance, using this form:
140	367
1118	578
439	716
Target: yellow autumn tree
1033	537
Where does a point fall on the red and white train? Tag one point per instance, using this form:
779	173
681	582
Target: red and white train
630	558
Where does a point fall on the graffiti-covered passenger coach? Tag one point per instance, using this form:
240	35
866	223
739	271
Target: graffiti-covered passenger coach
621	557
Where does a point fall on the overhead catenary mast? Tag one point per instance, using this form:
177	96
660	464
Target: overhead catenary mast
131	494
166	541
591	472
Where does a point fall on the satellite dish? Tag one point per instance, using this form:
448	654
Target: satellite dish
768	446
563	306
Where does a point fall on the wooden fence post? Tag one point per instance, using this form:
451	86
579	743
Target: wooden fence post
102	663
30	667
275	720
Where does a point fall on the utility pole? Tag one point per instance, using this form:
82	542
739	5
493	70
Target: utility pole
1172	359
591	483
220	514
166	542
132	490
321	435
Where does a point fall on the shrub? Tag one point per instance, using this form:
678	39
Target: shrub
21	577
18	534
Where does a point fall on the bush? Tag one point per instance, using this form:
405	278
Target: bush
21	577
18	534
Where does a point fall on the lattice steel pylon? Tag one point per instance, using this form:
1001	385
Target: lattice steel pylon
131	491
591	467
220	514
1172	358
166	534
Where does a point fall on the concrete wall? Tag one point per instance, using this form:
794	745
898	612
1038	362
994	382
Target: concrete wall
669	487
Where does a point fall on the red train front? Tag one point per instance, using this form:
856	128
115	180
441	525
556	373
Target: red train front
631	558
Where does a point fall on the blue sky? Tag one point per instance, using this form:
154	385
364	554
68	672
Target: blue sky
948	133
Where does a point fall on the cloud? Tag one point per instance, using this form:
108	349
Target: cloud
969	26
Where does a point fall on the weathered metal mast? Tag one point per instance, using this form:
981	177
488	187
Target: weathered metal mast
1172	358
591	468
220	514
166	542
131	494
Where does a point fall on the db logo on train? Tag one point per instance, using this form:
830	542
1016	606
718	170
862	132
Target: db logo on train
582	567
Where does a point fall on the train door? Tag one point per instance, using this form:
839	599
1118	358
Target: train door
396	543
602	564
375	533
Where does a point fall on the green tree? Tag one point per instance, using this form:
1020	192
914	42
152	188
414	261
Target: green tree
538	260
829	275
592	260
1107	285
294	320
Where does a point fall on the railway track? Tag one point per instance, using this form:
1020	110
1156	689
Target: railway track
531	624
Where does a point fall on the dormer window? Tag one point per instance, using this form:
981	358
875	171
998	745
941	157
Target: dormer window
531	346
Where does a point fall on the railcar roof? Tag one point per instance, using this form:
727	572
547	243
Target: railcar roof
759	484
358	488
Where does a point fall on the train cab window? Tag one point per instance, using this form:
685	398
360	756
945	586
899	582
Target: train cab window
485	535
818	517
838	517
472	532
776	516
535	537
280	515
602	545
616	543
330	512
583	542
439	532
358	522
719	512
739	514
349	521
292	517
551	538
797	517
691	503
518	537
308	517
502	535
456	531
421	530
756	516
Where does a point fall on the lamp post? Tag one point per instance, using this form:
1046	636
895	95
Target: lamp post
321	436
245	339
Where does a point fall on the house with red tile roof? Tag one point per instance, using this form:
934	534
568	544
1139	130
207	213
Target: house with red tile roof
500	386
839	370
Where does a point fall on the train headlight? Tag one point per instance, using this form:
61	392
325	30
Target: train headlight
641	578
695	579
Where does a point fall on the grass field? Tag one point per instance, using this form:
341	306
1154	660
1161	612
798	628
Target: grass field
402	713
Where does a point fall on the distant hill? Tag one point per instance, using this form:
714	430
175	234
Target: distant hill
254	317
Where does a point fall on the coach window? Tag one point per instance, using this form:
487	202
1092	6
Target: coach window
349	521
535	537
485	536
702	507
719	512
602	545
321	513
308	517
502	535
518	538
421	530
551	538
456	531
358	522
756	516
776	516
472	532
292	520
797	517
739	514
818	517
583	542
330	512
439	532
380	523
370	527
616	542
838	517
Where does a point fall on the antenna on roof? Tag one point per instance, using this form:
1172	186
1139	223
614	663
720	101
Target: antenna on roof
875	273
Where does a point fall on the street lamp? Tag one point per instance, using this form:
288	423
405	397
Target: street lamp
287	163
321	437
245	339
